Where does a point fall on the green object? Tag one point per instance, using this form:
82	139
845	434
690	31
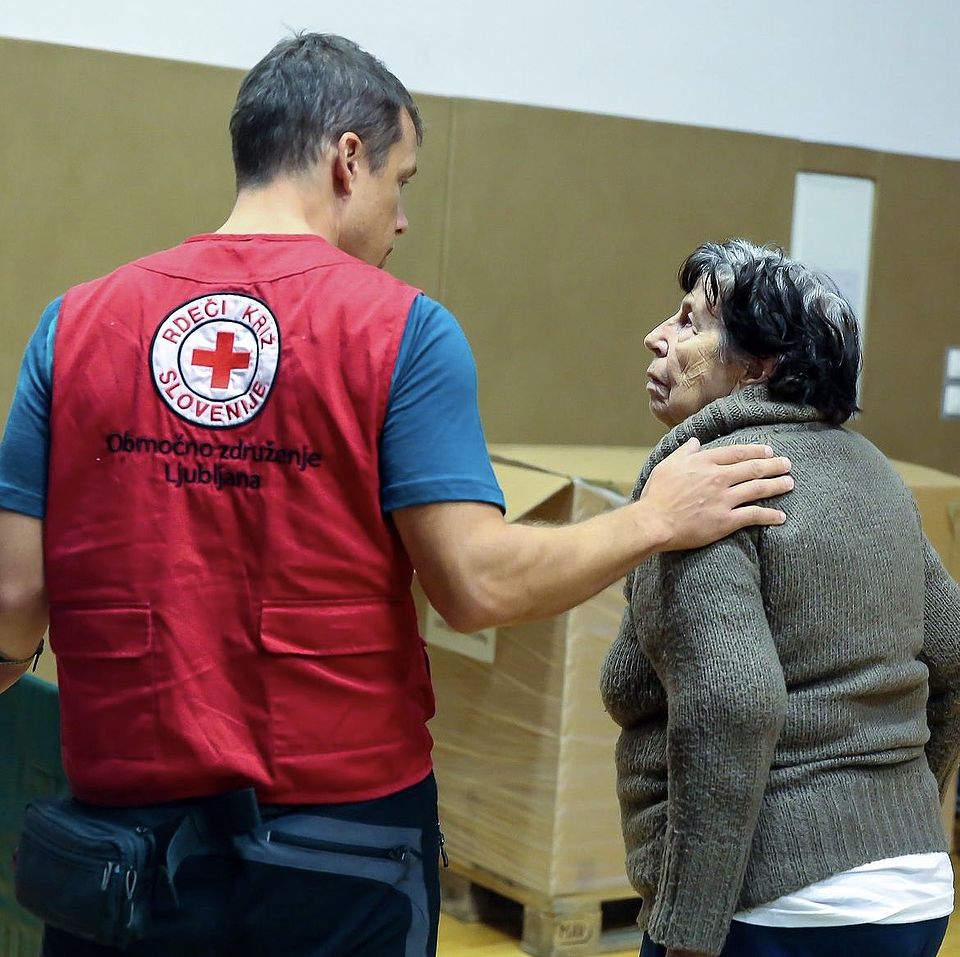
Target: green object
30	767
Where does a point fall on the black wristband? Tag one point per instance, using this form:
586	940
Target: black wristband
35	658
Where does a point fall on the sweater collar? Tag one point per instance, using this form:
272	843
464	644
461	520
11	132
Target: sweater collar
748	407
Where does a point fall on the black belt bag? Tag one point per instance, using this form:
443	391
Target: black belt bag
95	874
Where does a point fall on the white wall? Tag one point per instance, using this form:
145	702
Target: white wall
883	74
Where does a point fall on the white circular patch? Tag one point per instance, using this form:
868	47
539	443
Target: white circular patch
214	359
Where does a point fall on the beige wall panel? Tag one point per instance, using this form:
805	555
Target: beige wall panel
839	160
914	311
417	256
565	234
103	157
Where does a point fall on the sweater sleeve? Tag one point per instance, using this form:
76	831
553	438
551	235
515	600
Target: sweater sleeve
726	707
941	655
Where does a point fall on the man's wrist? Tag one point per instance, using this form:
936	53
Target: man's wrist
656	530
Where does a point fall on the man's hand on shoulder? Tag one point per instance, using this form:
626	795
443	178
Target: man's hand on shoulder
699	496
479	571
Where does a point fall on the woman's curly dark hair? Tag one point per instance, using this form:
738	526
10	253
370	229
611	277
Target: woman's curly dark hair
773	307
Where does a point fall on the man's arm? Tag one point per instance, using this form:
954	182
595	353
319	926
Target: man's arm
23	598
23	492
479	571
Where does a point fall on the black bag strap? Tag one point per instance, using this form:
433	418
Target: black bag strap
208	828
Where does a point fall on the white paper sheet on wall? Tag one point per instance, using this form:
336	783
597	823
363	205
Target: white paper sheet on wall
833	230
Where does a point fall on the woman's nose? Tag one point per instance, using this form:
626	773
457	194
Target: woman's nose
656	340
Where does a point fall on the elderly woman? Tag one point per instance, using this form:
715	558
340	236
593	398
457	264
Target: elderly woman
788	696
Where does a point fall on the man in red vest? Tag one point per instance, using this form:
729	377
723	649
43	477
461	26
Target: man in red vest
217	494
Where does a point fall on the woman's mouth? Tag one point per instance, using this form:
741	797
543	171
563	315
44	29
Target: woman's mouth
656	388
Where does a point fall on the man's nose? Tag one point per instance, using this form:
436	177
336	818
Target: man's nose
402	222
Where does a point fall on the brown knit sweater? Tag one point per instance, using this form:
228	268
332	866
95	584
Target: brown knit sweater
773	687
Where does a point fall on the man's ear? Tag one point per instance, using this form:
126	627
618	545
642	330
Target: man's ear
757	370
346	162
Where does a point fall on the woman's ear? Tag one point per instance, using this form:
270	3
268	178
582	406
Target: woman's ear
757	370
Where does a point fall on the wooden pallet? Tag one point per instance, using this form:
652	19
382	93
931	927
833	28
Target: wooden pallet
578	925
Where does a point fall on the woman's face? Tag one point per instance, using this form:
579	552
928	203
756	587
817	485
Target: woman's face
687	373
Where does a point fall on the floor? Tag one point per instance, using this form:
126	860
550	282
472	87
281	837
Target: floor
479	940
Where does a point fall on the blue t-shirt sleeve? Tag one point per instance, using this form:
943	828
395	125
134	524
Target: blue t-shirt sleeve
433	448
25	448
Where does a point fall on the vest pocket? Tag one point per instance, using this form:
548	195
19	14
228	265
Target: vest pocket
337	674
107	704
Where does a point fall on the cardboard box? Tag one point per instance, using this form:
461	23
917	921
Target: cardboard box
938	496
524	749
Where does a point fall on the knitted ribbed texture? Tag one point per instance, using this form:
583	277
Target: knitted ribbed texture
772	687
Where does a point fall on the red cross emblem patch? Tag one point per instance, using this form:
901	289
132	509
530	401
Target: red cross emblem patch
214	359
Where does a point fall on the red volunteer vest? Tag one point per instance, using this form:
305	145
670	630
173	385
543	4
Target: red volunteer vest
228	605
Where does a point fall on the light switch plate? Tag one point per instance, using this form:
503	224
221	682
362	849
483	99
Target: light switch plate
951	400
953	363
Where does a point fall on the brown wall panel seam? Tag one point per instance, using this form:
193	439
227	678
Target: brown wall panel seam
447	203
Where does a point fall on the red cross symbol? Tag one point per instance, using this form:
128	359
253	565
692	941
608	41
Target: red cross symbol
223	360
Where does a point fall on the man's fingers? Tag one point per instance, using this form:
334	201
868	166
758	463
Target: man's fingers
756	469
707	495
689	447
756	515
758	489
732	454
